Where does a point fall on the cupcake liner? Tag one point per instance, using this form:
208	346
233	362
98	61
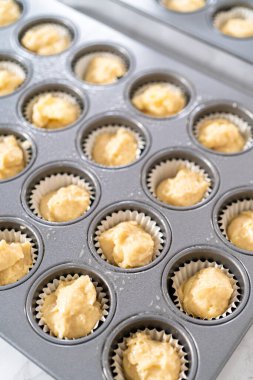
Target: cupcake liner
28	107
230	211
160	336
145	221
53	183
169	169
26	146
183	273
89	141
244	127
61	29
14	67
81	64
51	287
171	86
13	236
239	12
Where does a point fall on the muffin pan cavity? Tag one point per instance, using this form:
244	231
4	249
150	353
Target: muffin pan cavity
188	262
111	122
158	327
49	281
15	230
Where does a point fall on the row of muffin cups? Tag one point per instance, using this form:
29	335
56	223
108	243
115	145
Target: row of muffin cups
180	267
111	122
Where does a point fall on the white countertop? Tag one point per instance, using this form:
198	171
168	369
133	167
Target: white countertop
15	366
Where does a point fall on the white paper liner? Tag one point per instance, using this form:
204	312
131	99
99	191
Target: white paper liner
171	86
13	236
169	169
244	128
166	4
53	183
81	64
89	141
61	30
160	336
188	270
26	146
51	287
145	221
15	68
236	12
28	107
232	210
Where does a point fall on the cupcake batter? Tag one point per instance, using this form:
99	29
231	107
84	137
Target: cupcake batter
12	158
64	204
46	39
15	261
115	148
159	100
221	135
184	5
127	245
54	111
72	310
146	358
240	230
9	12
9	81
186	189
238	27
207	294
105	69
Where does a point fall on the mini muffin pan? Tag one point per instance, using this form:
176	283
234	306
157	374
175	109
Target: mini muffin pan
199	24
141	298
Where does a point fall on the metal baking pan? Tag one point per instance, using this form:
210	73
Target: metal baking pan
199	24
136	298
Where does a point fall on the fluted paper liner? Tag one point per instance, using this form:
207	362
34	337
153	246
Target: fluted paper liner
244	128
13	236
170	85
145	221
184	272
28	107
236	12
53	183
160	336
15	68
232	210
169	169
25	144
81	64
51	287
89	141
61	29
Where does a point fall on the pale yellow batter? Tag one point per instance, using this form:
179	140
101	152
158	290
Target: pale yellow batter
186	189
221	135
54	111
115	148
240	230
9	12
127	245
9	81
46	39
238	27
15	261
12	158
72	310
105	69
159	100
64	204
207	294
184	6
149	359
